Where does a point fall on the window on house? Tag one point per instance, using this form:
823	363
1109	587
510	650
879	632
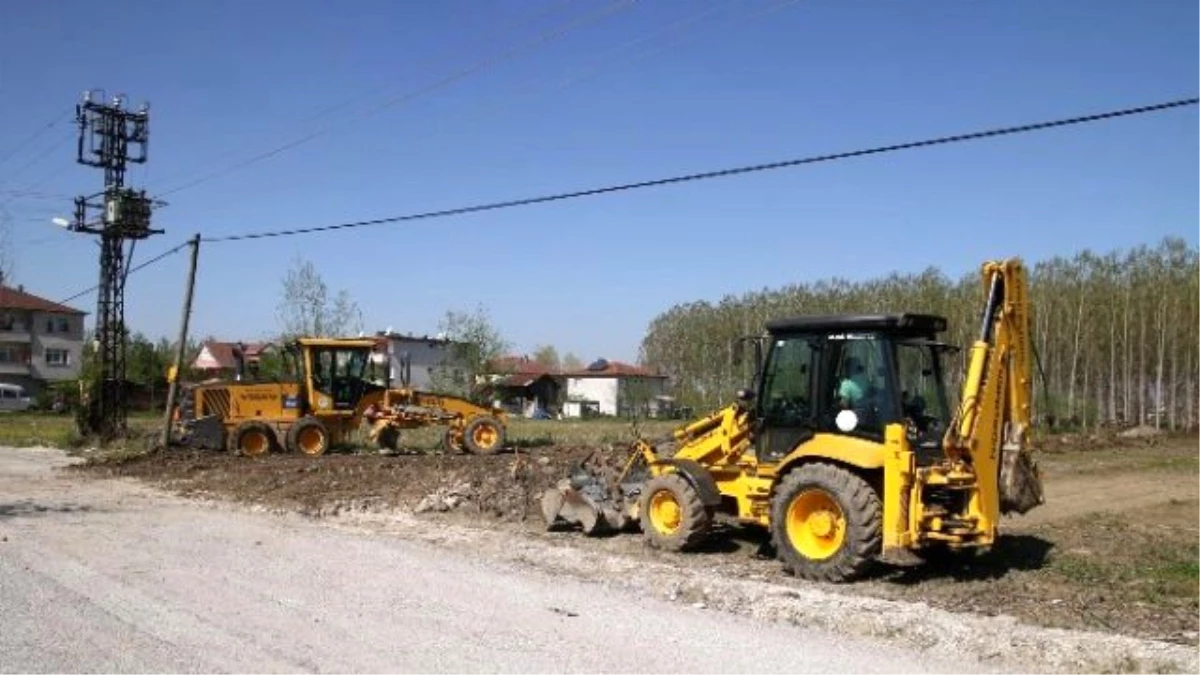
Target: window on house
57	324
7	321
58	357
8	354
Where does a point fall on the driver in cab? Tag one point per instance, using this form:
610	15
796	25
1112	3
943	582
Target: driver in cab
854	388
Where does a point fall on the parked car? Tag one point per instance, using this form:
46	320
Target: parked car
13	398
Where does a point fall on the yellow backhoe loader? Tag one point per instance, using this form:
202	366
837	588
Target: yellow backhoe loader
327	393
848	450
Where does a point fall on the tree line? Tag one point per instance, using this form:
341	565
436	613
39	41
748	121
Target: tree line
1116	334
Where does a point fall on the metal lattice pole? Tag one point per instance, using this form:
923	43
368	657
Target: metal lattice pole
107	133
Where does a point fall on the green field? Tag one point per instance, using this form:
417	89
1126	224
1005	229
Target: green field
44	429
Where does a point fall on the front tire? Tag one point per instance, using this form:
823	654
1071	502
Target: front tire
826	523
308	436
388	439
672	516
254	439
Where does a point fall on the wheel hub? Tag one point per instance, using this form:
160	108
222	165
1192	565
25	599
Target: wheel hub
816	525
665	513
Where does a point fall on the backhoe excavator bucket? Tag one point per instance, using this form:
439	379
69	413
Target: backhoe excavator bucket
1020	480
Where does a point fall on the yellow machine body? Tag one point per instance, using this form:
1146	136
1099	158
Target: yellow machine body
330	393
820	488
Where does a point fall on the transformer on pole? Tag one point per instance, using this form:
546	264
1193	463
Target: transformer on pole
111	136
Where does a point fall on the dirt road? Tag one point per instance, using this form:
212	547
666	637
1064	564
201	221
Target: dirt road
113	576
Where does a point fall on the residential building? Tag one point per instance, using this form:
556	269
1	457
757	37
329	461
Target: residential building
612	388
425	355
41	342
218	360
523	386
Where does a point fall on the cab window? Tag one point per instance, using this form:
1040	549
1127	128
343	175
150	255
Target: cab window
787	383
859	383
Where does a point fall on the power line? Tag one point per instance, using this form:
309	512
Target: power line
608	62
555	7
35	135
548	36
37	158
415	65
720	173
131	270
978	135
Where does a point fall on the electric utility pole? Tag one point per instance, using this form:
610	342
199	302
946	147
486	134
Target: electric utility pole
111	136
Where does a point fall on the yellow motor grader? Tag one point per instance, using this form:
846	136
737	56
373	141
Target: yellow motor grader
848	450
326	394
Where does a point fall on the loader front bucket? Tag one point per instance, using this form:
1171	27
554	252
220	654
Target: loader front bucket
585	500
565	504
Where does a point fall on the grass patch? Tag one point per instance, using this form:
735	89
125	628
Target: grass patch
1133	559
24	430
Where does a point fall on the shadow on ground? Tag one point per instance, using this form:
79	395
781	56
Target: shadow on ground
28	508
1017	552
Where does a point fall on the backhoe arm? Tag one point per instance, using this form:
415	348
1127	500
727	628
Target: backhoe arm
989	430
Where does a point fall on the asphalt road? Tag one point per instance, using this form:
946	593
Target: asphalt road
111	576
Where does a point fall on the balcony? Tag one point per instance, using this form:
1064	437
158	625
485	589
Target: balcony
16	334
10	368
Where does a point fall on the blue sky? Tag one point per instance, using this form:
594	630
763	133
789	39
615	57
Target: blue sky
594	95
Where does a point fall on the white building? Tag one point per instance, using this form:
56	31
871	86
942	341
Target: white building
611	388
425	354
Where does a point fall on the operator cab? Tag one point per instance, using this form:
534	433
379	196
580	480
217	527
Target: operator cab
340	370
852	375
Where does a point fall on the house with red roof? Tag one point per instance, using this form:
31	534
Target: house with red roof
219	359
602	388
523	385
41	341
612	388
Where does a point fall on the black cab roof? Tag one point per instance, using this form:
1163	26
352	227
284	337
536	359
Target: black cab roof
912	324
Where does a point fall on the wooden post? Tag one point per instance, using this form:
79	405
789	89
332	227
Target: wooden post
173	386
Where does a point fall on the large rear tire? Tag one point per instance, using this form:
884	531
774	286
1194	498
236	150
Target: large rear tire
308	436
826	523
253	439
671	514
483	435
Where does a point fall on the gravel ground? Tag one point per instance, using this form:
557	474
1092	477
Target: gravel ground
1113	550
113	576
949	617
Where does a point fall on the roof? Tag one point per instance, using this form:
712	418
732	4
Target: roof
522	365
408	337
907	323
517	367
604	368
338	342
222	353
17	298
520	379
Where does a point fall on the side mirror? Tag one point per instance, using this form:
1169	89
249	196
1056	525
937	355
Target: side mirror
745	395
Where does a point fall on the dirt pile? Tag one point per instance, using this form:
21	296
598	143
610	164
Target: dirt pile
504	487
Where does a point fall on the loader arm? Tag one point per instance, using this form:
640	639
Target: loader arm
995	413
